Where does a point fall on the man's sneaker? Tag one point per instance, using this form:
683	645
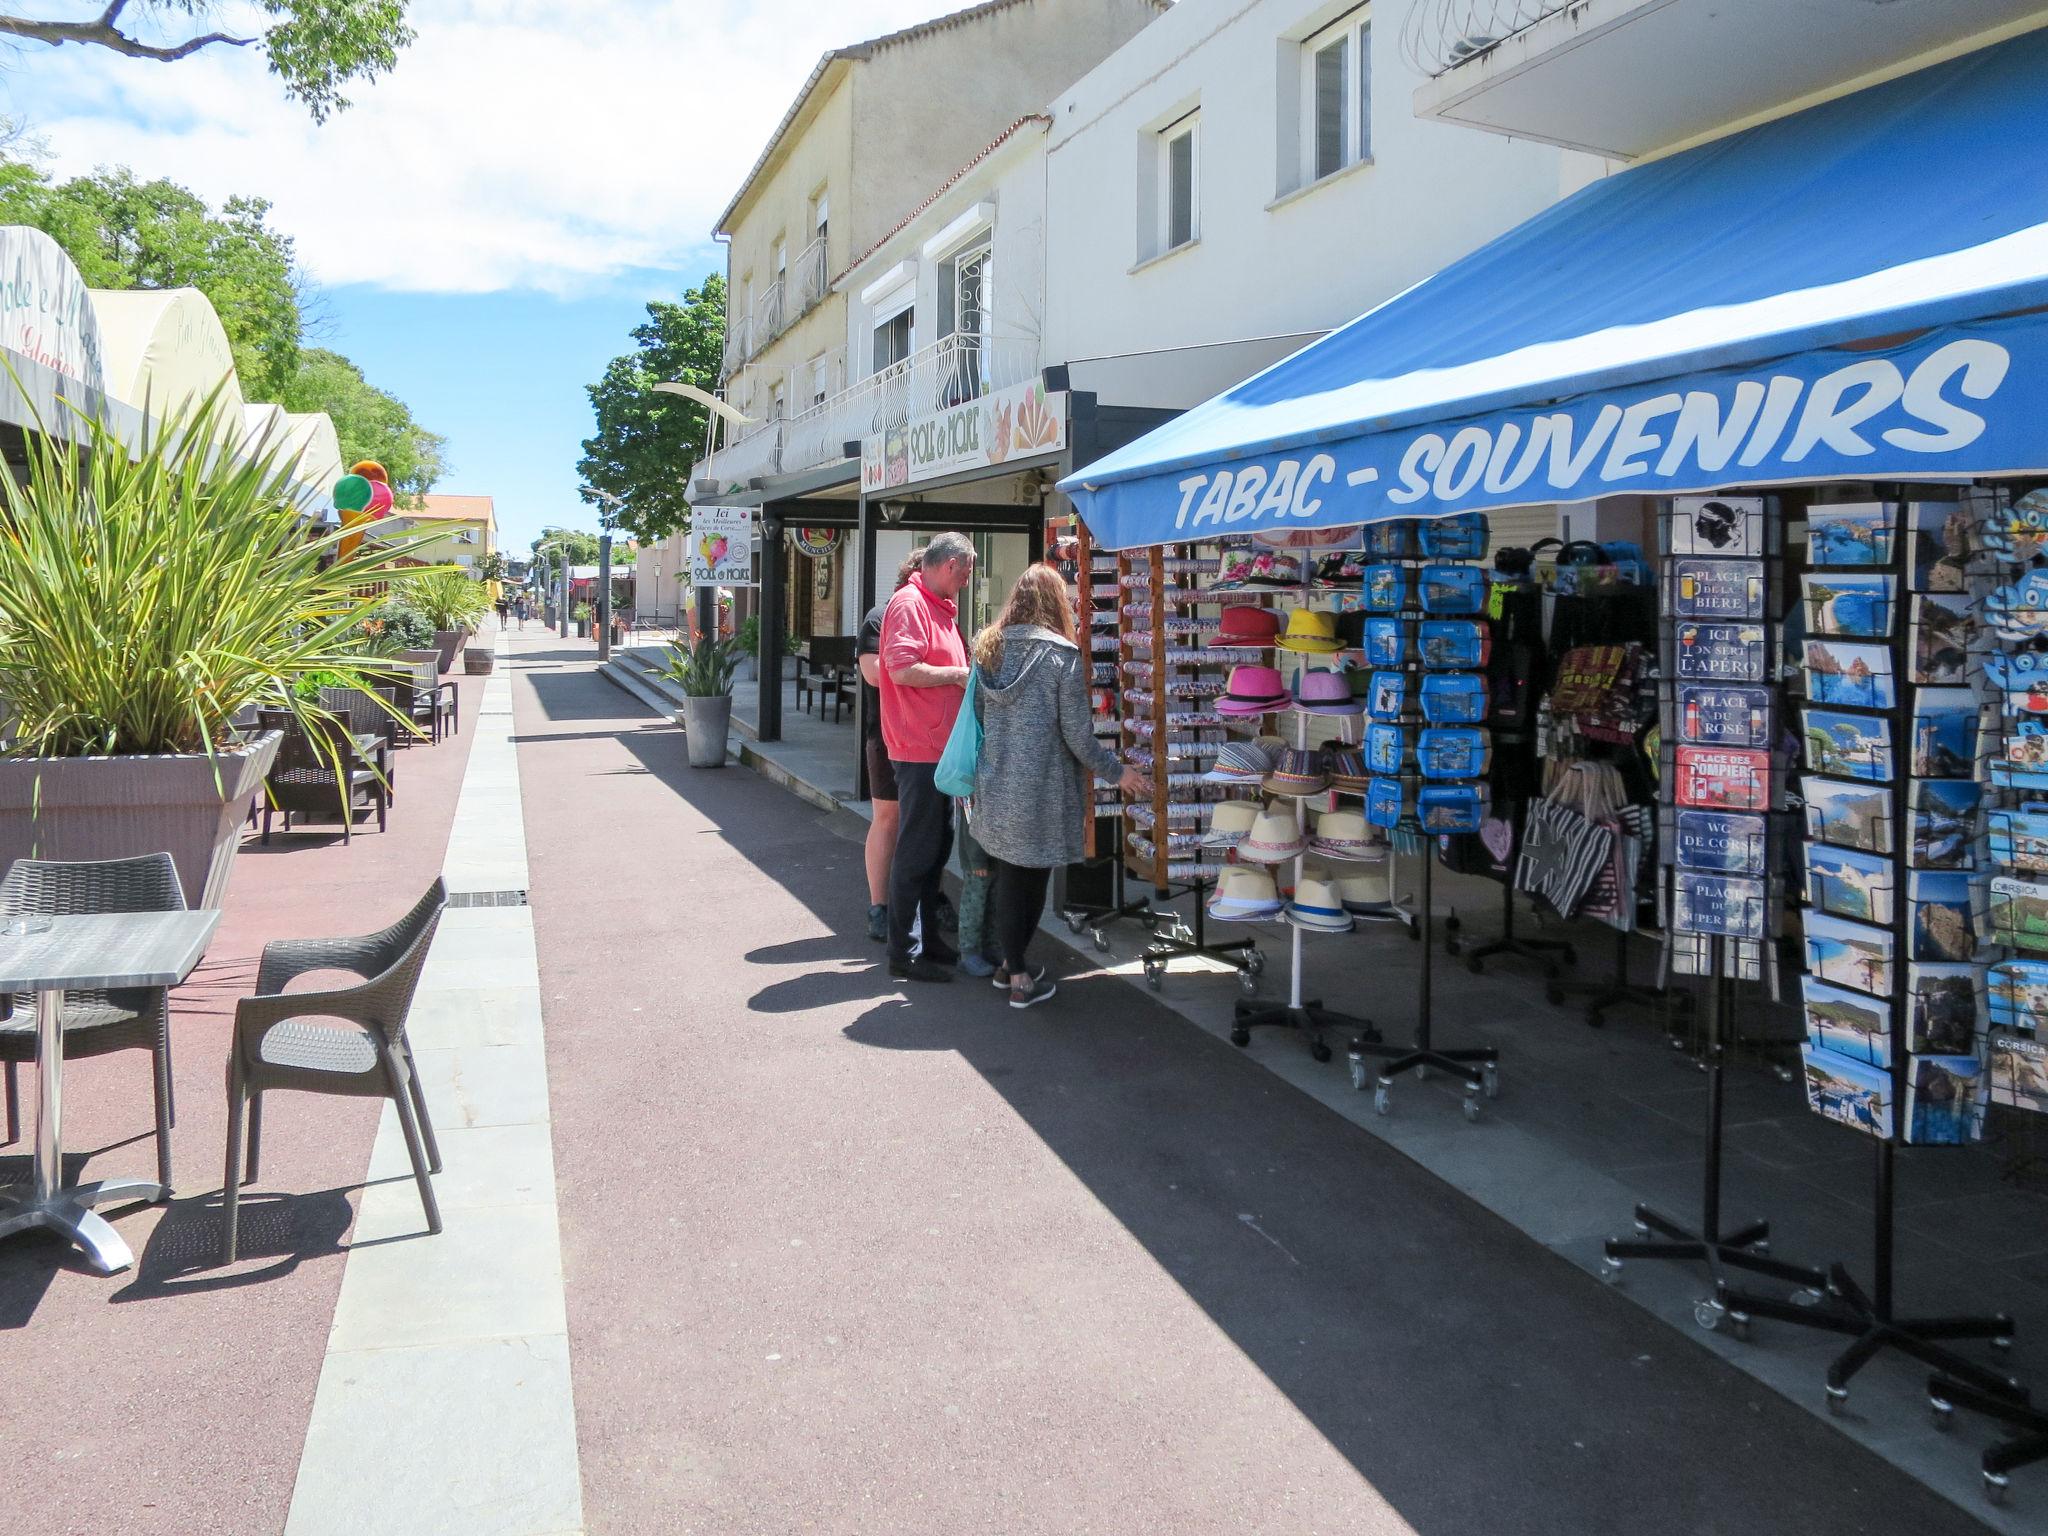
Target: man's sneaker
918	970
1028	990
878	923
1002	976
977	965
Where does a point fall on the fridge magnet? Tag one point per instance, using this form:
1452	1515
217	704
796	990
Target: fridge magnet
1848	1023
2018	611
1945	1098
1944	915
1944	823
1731	526
2016	533
1725	904
1388	642
1721	842
1722	653
1944	734
1849	954
1717	589
1392	540
1454	698
1850	533
1722	778
1850	746
2019	912
1461	536
1849	883
1851	1093
2019	1072
1732	716
1849	672
1848	815
1453	588
1945	1003
2016	995
1449	644
1386	588
1848	605
1451	807
1452	752
1945	633
2025	764
2021	679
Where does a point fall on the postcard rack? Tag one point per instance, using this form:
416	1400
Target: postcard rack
1879	732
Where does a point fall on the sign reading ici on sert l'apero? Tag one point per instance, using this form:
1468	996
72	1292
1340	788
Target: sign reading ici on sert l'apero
1014	423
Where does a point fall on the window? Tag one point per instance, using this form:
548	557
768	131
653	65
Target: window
892	338
1336	95
820	216
777	405
963	314
821	379
1179	180
781	252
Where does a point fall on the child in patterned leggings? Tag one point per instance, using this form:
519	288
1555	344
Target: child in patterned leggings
974	883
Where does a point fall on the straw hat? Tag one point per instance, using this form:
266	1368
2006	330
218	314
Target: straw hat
1364	896
1318	906
1347	769
1311	631
1345	835
1253	691
1245	626
1245	895
1319	691
1239	762
1273	839
1300	771
1232	820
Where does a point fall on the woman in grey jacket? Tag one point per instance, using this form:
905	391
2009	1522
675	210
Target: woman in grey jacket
1031	788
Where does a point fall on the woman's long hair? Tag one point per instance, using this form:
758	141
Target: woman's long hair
1040	598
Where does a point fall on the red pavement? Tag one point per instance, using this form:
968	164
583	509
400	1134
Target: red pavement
174	1398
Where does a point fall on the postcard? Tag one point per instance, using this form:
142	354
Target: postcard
1724	717
1849	882
1852	746
1945	1097
1723	778
1945	914
2016	995
1848	815
1850	954
1723	842
1722	653
1944	734
1851	533
1731	526
1945	1003
1725	904
1851	1093
1943	813
2019	1072
2018	840
1945	632
1849	605
2025	763
1717	589
2019	912
1941	546
1849	672
1848	1023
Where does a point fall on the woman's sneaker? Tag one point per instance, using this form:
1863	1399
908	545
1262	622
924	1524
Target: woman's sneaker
976	965
1001	979
1027	990
878	923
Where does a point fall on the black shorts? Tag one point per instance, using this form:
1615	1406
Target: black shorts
881	772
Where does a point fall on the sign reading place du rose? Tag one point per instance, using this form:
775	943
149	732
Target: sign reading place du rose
1019	422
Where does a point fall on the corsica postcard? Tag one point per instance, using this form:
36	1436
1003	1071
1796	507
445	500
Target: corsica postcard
1723	904
1848	1023
1848	746
2019	913
1848	815
2019	1072
1849	883
1717	589
1728	526
2017	995
1944	817
1723	779
1850	954
1846	672
1722	842
1733	716
1946	1003
1849	605
1851	533
1723	653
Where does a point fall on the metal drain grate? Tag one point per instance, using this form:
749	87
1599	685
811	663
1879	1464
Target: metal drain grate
487	899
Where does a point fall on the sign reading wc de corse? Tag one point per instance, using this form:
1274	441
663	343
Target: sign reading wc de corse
1013	423
1955	403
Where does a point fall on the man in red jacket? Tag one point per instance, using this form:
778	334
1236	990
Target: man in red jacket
924	672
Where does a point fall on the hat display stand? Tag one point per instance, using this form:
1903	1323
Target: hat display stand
1477	1067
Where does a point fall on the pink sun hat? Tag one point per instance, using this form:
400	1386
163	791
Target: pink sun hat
1320	691
1253	691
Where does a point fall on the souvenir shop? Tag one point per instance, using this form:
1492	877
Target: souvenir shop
1781	729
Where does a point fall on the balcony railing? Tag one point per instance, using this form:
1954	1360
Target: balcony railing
739	342
811	276
1439	35
746	454
768	313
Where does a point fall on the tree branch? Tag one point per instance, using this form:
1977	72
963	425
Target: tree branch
104	33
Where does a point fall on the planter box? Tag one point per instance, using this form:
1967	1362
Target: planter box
705	722
583	629
119	807
446	643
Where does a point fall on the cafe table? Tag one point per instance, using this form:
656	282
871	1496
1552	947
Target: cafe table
112	949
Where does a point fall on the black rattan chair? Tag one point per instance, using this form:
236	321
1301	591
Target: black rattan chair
350	1041
375	727
95	1022
424	698
309	778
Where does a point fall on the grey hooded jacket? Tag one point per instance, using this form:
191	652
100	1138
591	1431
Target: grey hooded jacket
1031	787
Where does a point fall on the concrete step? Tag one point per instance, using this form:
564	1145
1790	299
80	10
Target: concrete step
636	676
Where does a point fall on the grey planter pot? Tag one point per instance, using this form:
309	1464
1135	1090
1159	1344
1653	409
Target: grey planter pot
705	722
119	807
446	643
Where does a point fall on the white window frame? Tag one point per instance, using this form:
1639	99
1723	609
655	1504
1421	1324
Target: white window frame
821	380
1189	127
1353	32
821	213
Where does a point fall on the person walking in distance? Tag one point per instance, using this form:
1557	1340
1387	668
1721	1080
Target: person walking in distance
1032	792
881	843
924	672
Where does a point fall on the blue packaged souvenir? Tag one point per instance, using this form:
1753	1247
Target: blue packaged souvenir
1386	748
1387	642
1451	807
1455	644
1458	537
1387	696
1385	589
1384	802
1453	589
1453	752
1454	698
1391	540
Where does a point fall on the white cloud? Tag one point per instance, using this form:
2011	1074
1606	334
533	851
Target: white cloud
519	144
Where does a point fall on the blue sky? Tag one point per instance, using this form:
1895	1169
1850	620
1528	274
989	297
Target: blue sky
485	225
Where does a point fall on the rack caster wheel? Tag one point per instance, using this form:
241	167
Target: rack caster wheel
1642	1227
1421	1073
1808	1297
1357	1075
1761	1247
1738	1324
1318	1051
1995	1485
2001	1345
1101	941
1838	1401
1255	962
1707	1314
1240	1038
1248	982
1414	931
1075	923
1553	995
1610	1270
1489	1080
1382	1101
1155	976
1944	1413
1471	1108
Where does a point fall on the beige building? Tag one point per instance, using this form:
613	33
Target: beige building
466	528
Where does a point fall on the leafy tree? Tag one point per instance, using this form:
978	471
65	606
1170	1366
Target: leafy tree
124	233
369	423
568	546
489	566
315	47
648	442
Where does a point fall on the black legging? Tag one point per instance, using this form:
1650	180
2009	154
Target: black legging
1017	893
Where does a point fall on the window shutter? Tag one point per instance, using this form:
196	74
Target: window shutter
1180	159
1332	99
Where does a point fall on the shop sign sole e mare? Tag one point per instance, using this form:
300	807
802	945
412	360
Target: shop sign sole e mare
1956	402
1019	422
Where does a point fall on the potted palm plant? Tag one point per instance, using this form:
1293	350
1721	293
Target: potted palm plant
152	595
704	673
581	615
452	603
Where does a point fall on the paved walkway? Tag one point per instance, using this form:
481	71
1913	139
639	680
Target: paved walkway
842	1260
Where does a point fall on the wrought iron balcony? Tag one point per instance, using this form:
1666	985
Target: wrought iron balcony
1439	35
811	277
739	342
768	315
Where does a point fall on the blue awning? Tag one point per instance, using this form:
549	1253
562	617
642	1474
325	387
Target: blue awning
1835	295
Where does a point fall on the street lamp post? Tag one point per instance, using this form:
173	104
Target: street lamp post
606	521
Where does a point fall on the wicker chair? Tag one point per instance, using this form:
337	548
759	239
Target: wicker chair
303	780
95	1022
424	698
293	1040
375	727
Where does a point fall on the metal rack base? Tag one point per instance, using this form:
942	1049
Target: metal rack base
1946	1394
